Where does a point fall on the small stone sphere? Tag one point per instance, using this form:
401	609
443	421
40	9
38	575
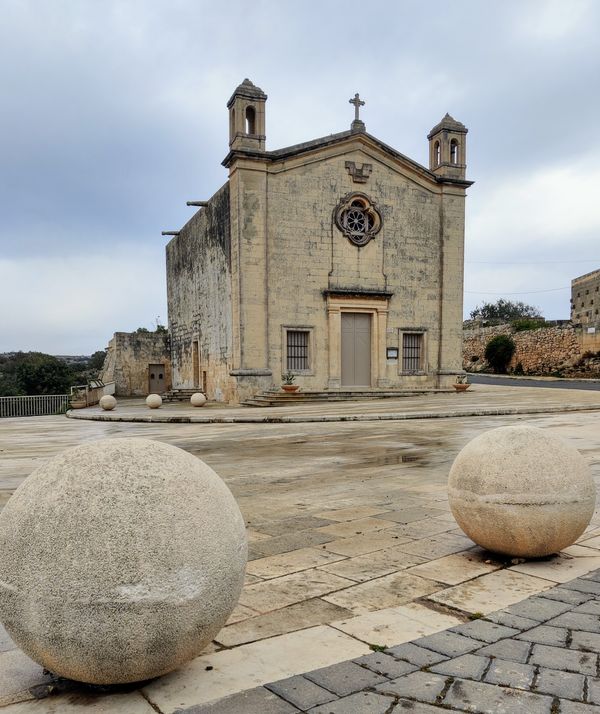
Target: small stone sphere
154	401
521	491
121	560
198	399
108	402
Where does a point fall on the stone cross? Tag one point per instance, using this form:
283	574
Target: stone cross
358	102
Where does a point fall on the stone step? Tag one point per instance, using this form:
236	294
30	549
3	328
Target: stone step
178	395
275	398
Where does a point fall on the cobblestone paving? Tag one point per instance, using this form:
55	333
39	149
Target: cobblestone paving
544	661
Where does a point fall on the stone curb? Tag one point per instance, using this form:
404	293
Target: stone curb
533	377
299	419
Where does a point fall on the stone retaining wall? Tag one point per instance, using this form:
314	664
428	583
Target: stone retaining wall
542	351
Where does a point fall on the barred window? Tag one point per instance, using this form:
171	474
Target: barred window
412	351
297	349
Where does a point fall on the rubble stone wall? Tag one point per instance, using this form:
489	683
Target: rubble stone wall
546	350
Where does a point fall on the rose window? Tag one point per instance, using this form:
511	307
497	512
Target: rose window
358	219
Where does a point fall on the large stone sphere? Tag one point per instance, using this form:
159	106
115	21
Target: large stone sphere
521	491
108	402
120	560
198	399
154	401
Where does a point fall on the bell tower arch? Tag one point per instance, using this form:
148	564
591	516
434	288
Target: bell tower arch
448	148
247	117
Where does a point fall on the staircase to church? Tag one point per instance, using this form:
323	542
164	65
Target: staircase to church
275	398
179	395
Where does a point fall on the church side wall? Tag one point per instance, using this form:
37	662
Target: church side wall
308	254
199	301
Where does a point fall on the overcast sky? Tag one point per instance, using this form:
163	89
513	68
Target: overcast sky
113	115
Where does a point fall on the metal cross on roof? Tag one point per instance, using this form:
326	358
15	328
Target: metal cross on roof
358	102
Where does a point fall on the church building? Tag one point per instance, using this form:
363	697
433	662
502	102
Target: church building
339	260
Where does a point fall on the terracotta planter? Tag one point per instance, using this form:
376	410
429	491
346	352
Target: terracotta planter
461	387
290	387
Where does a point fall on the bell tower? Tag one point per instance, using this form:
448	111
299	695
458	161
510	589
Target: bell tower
448	148
247	117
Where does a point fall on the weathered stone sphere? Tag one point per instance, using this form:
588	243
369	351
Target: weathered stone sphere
120	560
198	399
108	402
521	491
154	401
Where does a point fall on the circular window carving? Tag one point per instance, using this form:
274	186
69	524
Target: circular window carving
358	218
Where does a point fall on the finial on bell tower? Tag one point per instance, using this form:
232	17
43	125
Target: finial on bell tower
448	148
357	124
247	117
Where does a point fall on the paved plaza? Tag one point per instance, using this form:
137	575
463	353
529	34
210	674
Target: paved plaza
353	551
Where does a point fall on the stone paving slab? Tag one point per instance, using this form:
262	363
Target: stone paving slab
459	670
292	480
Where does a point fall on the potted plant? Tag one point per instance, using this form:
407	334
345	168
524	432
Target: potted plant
462	383
288	382
78	398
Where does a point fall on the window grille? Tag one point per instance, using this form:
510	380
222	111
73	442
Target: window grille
412	344
297	349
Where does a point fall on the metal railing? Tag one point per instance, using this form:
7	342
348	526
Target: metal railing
38	405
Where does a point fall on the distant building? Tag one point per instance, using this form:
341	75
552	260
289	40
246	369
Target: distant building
138	363
338	259
585	298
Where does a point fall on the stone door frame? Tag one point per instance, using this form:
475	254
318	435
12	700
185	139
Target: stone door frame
378	308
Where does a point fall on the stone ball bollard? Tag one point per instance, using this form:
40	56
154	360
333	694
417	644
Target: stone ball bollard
108	402
121	560
154	401
520	491
198	399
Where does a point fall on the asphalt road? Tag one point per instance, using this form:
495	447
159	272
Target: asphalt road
527	382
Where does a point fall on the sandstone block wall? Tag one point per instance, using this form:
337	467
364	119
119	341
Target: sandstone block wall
300	253
585	298
199	300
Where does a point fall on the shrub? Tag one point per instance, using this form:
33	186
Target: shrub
528	323
498	352
519	369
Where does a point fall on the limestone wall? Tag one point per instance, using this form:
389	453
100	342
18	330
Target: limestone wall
199	300
585	298
300	253
542	351
127	361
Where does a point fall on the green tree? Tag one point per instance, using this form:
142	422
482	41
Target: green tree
504	311
499	352
9	384
38	373
96	361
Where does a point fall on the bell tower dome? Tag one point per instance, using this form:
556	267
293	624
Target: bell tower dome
247	117
448	148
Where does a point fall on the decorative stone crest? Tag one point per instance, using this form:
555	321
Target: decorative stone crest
358	218
359	174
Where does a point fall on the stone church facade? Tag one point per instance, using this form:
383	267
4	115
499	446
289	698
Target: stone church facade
339	260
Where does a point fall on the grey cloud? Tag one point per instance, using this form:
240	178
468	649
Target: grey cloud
114	112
